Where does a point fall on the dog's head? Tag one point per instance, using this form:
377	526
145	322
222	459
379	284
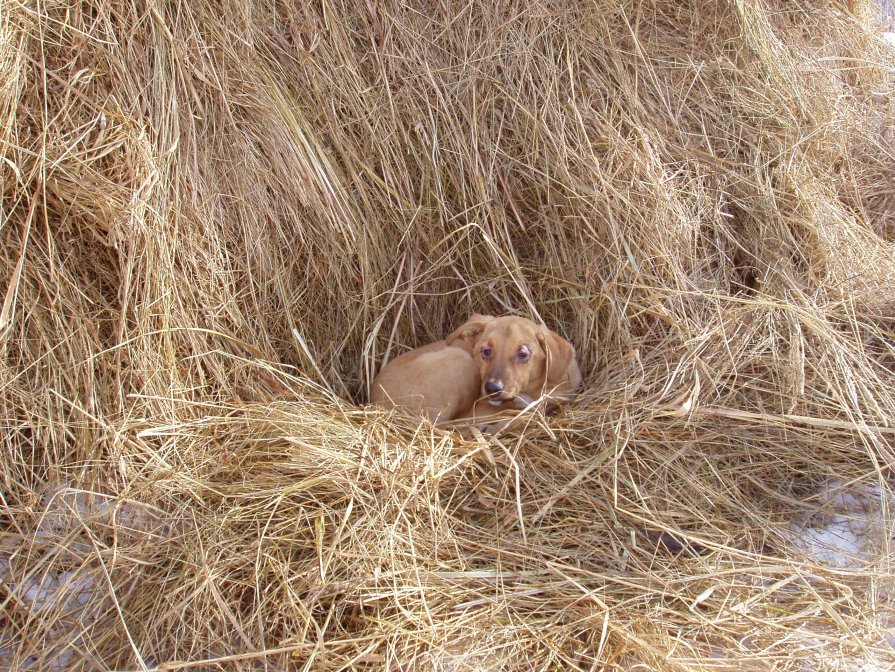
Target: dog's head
518	359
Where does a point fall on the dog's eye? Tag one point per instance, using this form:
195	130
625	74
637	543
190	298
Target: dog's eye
486	352
523	355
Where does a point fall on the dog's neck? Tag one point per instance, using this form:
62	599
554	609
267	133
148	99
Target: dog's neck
522	401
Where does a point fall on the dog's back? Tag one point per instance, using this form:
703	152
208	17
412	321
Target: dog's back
438	381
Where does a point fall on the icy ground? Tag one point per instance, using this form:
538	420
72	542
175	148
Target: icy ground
845	526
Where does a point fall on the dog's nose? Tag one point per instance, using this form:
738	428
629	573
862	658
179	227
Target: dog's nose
493	386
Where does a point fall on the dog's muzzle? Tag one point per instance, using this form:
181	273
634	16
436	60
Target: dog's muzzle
493	392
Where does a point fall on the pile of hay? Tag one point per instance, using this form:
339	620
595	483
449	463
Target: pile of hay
219	219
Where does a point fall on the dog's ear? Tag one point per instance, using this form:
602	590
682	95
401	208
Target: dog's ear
562	366
466	335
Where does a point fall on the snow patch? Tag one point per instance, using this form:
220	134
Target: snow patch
58	581
848	526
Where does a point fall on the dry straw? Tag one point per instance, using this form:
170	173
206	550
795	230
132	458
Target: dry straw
219	218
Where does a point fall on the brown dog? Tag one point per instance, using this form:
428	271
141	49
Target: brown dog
438	381
519	362
487	365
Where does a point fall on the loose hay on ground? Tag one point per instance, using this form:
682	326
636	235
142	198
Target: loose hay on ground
218	219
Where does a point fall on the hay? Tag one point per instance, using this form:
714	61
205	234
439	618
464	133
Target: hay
217	221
